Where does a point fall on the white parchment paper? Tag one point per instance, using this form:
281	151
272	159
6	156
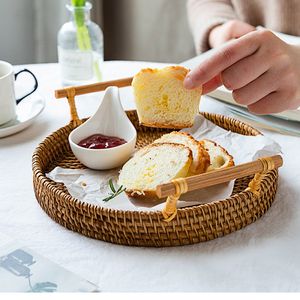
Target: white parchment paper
92	186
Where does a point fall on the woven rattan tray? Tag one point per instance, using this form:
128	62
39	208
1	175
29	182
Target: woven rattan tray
191	225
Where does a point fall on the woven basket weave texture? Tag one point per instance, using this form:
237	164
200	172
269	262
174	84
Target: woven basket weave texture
191	225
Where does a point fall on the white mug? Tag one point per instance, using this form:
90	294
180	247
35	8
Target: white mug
8	99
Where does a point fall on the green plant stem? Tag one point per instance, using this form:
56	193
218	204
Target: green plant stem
114	192
82	33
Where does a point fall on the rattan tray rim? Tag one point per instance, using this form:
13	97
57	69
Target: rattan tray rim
76	202
128	227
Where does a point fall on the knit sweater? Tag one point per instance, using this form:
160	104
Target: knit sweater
278	15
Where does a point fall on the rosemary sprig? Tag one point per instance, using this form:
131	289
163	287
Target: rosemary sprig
114	192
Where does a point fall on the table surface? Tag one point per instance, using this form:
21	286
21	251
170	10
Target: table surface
264	256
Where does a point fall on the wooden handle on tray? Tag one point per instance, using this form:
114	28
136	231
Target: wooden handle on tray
204	180
94	87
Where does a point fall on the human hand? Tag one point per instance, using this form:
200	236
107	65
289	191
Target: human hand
230	30
262	71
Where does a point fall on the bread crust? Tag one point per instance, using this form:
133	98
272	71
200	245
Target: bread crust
230	162
203	156
167	125
201	159
178	72
170	144
204	160
143	194
168	74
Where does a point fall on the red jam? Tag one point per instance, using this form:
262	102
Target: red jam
101	141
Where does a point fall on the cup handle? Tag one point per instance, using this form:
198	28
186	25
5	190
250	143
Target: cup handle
35	84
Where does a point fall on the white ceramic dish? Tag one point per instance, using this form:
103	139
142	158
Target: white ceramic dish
27	111
110	119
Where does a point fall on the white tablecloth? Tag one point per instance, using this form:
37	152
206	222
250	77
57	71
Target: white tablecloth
261	257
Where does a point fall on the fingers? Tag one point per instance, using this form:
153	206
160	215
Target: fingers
255	90
211	85
262	71
270	81
284	97
270	104
226	56
246	70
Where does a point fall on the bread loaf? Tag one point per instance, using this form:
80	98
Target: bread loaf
162	101
219	157
201	159
153	165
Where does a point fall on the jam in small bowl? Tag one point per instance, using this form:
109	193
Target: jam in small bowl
101	141
107	139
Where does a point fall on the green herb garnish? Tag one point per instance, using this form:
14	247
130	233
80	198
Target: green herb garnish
114	192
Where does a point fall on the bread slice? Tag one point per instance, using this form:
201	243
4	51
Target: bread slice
153	165
201	159
162	101
219	157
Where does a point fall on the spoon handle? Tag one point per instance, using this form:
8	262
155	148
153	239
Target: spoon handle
94	87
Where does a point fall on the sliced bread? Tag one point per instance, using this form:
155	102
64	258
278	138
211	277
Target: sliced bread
161	99
219	157
201	159
153	165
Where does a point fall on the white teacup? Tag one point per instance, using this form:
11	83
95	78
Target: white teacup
8	99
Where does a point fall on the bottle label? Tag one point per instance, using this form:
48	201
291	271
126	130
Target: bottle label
76	64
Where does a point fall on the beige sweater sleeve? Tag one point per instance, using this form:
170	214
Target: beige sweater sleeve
204	15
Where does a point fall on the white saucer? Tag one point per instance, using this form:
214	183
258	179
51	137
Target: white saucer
27	111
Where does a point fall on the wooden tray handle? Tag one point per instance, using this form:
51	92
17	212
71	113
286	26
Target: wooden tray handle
72	91
94	87
174	189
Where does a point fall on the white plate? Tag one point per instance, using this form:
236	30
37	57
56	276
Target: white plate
225	95
27	111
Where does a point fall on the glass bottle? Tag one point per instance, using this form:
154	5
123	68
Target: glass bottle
80	48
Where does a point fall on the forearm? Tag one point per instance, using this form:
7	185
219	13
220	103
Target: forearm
206	14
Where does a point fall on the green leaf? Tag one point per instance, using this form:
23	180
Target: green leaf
111	185
107	199
78	3
115	192
119	189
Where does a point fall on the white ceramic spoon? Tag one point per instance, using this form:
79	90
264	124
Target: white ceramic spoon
110	119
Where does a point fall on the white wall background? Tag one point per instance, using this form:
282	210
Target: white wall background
28	30
155	30
16	33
